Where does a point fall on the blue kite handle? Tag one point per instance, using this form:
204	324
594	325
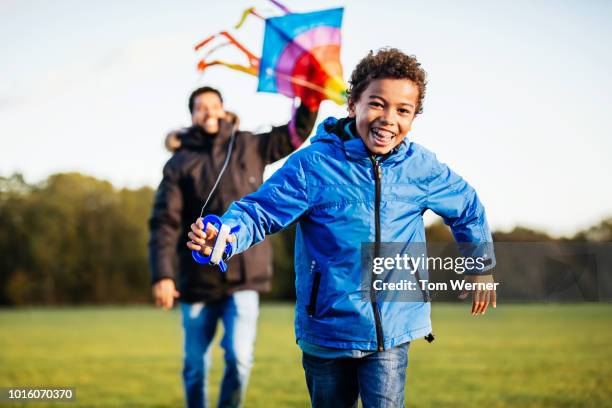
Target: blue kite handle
216	222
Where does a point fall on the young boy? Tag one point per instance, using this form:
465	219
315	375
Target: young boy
359	181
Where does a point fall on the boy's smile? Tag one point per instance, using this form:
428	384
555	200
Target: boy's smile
384	113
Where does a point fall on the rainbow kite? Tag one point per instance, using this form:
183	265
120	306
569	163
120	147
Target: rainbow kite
300	55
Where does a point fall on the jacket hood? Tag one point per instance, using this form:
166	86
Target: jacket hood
330	131
333	130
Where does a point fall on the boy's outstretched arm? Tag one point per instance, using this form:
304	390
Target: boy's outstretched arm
279	202
451	197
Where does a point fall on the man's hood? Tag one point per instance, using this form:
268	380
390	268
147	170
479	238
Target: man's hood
196	138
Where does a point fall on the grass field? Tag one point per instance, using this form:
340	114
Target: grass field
515	356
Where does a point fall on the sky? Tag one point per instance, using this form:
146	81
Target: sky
518	101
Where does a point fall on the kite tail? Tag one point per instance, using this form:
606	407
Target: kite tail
202	65
281	6
253	60
206	41
245	14
253	67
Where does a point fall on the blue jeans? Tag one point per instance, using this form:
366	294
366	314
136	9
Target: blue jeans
239	316
378	379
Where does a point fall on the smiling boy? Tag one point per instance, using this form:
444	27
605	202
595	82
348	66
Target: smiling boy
359	181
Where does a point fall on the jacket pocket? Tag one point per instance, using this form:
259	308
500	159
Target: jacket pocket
311	308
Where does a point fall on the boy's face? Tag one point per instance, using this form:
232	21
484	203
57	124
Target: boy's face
384	113
207	110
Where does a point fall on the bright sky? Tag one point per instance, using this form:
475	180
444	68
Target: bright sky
518	102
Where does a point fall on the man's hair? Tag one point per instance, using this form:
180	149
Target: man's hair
201	91
387	63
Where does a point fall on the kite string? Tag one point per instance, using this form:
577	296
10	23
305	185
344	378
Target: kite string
227	158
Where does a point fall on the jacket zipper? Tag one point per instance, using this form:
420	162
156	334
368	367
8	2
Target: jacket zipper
377	183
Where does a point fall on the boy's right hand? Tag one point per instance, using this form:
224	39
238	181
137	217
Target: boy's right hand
480	298
203	241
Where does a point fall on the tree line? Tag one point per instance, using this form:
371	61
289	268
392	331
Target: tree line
75	239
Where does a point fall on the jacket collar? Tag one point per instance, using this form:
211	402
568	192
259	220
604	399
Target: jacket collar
197	138
342	133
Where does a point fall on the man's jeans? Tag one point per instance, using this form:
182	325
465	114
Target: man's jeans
239	316
377	378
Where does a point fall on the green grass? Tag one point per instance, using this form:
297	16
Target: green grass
515	356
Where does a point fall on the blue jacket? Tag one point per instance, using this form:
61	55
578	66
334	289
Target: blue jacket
340	198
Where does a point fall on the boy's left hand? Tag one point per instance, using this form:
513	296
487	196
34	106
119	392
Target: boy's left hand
480	298
203	240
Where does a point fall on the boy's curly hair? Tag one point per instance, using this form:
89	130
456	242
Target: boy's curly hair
387	63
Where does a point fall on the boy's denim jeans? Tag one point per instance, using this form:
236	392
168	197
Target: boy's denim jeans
377	378
239	316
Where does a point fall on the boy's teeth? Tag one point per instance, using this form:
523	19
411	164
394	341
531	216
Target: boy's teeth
382	134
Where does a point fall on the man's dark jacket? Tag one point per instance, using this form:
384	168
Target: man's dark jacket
187	180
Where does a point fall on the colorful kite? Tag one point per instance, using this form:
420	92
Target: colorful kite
300	55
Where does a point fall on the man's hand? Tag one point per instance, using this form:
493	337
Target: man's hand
480	298
164	293
203	241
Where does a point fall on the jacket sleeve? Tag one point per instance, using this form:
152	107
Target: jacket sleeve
278	203
165	225
281	141
452	198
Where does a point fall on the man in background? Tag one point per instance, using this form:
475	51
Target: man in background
206	294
